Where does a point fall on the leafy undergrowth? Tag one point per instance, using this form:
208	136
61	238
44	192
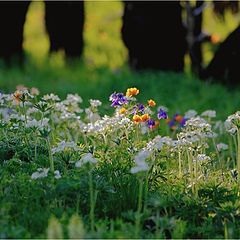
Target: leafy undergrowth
141	172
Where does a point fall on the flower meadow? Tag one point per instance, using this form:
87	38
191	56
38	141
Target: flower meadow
140	172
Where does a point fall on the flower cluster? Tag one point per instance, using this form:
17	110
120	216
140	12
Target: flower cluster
67	129
140	113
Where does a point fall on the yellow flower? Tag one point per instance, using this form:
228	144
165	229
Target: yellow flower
151	103
122	110
137	119
132	92
145	117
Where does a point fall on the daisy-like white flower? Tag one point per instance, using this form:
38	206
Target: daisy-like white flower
140	164
87	158
62	145
33	123
232	124
51	97
222	147
40	173
209	113
95	103
140	167
202	158
190	114
57	174
73	98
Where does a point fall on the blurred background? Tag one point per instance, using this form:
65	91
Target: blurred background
104	68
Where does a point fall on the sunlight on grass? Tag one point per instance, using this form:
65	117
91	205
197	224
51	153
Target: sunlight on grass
36	41
103	45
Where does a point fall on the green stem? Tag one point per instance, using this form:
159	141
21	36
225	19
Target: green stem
217	152
179	164
190	167
50	155
92	202
145	191
139	208
35	149
157	225
24	113
238	155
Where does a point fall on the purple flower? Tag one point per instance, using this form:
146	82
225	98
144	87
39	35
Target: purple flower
138	108
162	114
151	123
183	122
117	99
141	108
171	123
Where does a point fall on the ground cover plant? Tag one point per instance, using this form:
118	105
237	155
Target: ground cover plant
68	171
142	172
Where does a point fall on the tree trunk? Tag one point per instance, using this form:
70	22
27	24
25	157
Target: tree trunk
12	18
225	64
154	35
64	23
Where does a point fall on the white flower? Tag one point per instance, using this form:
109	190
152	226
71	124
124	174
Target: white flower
57	174
92	116
140	164
144	128
32	110
222	147
142	155
51	97
209	113
71	99
140	167
202	158
62	145
165	109
190	114
37	124
40	173
108	124
233	123
158	142
147	110
87	158
95	103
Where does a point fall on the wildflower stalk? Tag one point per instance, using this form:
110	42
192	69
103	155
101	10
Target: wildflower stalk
35	148
238	155
190	167
225	229
92	201
231	148
217	152
139	208
50	155
145	191
24	113
179	164
157	225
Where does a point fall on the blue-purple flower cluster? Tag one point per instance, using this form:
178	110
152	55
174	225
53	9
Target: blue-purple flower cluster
118	99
